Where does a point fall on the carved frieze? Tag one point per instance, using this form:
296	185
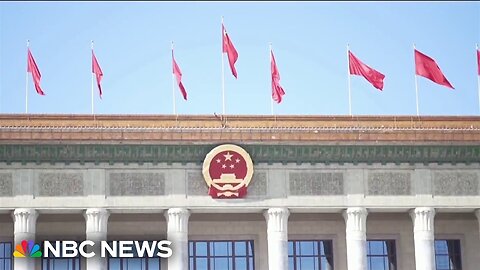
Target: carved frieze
389	183
136	184
196	185
6	185
60	184
455	183
316	183
258	185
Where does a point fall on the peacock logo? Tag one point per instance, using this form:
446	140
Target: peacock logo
27	250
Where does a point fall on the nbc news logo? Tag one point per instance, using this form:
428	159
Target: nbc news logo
114	249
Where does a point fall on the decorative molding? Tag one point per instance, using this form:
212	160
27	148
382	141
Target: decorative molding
6	185
455	184
389	183
316	183
136	184
60	184
260	153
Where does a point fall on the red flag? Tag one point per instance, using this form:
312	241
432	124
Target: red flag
98	72
428	68
178	75
370	74
33	68
478	61
228	48
277	90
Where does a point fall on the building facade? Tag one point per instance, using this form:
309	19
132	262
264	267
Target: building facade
331	192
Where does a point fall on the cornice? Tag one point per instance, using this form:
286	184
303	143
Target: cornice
158	129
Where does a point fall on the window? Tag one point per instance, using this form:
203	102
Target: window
310	255
5	256
135	263
381	255
221	255
448	255
52	263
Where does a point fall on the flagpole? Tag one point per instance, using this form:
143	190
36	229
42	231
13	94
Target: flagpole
478	81
416	84
173	86
26	81
271	98
349	83
92	79
223	73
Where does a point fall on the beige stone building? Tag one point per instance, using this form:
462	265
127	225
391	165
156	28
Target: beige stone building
328	192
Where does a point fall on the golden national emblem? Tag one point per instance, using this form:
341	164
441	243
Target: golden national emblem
227	170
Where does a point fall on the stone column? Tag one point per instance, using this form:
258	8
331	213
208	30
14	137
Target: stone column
277	235
356	237
177	233
25	220
97	221
423	234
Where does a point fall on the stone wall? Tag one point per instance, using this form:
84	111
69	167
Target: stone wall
303	185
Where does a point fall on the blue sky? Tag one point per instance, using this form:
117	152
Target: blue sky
132	44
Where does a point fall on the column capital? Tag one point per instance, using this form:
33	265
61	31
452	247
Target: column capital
277	219
177	212
356	219
356	211
97	220
25	220
177	219
423	218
